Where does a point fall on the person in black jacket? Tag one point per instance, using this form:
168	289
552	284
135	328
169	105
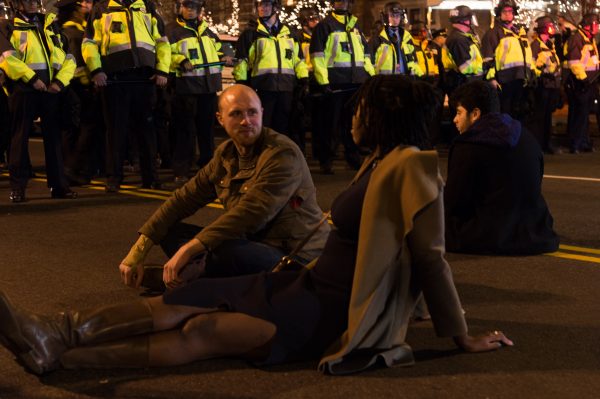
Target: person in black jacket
493	200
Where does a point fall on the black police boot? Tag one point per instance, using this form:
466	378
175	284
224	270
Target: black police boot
17	195
62	193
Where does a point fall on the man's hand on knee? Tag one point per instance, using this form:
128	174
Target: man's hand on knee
132	267
181	258
132	275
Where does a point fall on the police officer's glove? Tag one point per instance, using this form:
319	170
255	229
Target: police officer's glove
303	86
186	66
39	85
100	79
326	89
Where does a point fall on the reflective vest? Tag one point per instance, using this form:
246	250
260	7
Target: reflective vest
426	58
121	38
508	53
386	56
74	31
198	46
305	48
338	51
546	59
581	55
28	52
462	53
271	62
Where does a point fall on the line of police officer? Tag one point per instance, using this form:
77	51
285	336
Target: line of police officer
124	50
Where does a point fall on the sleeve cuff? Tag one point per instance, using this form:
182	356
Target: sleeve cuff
96	71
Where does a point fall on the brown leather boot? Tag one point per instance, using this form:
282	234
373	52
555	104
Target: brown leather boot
38	342
127	353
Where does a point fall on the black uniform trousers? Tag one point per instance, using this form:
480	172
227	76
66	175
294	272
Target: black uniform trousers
87	155
26	104
546	101
512	99
580	96
332	122
277	106
193	117
4	126
128	105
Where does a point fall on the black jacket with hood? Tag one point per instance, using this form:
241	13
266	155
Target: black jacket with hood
493	199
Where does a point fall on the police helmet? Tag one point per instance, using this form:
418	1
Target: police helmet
393	8
439	32
6	11
417	27
18	5
460	14
506	4
588	19
306	14
544	25
199	4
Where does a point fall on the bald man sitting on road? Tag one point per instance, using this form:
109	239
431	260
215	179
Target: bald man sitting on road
262	180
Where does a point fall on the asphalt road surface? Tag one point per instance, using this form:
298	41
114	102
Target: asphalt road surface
58	254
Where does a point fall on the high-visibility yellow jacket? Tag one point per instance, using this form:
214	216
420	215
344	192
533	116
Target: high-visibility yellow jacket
386	59
339	51
462	53
304	39
120	38
200	46
73	31
547	64
269	61
426	58
28	53
508	53
581	56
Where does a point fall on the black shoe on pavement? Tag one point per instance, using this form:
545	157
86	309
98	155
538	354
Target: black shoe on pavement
17	196
62	193
155	185
111	188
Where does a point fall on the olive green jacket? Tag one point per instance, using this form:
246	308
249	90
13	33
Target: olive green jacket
270	199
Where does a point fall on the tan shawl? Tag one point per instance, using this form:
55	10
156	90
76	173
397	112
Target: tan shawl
393	266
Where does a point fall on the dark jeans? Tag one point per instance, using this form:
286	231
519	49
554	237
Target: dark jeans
232	258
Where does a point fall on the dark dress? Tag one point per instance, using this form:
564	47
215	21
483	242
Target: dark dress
308	307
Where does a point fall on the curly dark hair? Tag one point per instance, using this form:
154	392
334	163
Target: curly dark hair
394	111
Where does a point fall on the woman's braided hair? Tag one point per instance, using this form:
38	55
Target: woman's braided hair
395	110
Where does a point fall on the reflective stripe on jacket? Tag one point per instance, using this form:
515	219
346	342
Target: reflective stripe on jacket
25	52
270	61
121	38
581	55
339	51
508	53
199	46
463	53
426	58
385	59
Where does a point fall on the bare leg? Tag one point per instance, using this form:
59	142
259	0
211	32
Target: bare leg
167	317
211	335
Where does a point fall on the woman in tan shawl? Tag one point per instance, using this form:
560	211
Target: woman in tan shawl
354	303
